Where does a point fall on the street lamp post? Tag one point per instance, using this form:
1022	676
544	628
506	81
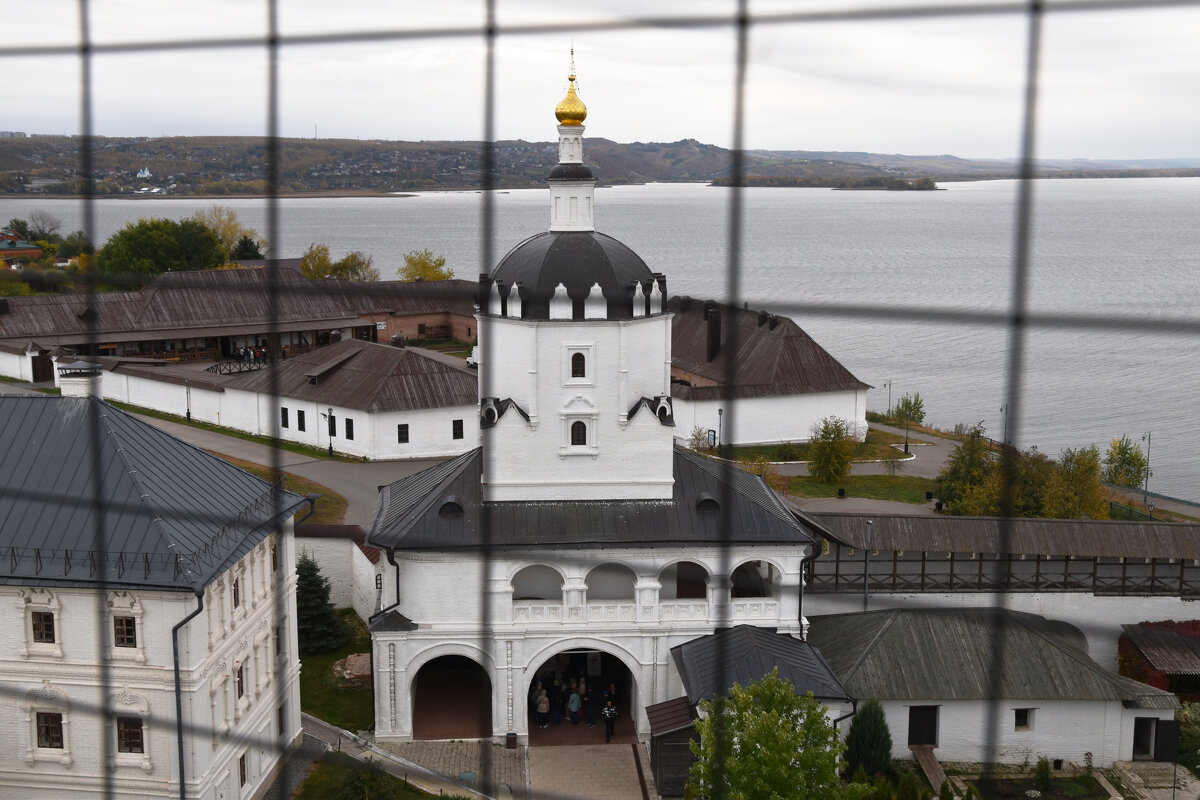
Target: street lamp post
1004	411
720	425
907	419
888	384
867	568
332	426
187	385
1149	472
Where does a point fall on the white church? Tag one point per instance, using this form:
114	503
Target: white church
578	539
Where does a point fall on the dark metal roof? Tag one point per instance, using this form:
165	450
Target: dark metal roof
1106	538
391	622
368	377
409	515
577	260
951	654
172	516
711	665
1170	651
760	355
571	172
670	716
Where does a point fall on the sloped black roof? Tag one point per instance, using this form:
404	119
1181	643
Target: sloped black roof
418	512
710	665
577	260
172	517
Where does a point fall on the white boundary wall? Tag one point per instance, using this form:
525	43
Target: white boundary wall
771	420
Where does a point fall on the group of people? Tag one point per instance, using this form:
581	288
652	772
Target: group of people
252	354
553	699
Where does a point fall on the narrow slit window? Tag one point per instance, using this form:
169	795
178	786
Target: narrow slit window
578	365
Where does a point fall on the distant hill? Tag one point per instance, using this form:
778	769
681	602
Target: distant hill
230	165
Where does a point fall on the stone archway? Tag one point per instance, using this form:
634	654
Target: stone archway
601	672
452	699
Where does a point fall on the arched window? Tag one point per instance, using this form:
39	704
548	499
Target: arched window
578	365
578	434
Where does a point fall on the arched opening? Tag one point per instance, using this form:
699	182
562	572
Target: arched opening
755	579
452	699
610	582
538	582
578	434
593	676
578	365
683	580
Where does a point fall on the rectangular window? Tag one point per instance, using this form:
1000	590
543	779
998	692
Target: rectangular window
242	770
402	433
299	420
129	735
240	679
43	627
50	730
1023	718
457	429
274	558
281	720
237	592
278	644
349	430
283	417
420	329
124	632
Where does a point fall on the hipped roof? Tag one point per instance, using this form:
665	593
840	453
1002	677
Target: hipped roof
89	493
969	654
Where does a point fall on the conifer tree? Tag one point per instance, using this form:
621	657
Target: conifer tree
317	626
869	742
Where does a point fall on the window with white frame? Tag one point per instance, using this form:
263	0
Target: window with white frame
43	623
47	715
578	366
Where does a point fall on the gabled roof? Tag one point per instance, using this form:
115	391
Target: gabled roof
368	377
418	512
760	355
1106	538
711	665
969	654
75	472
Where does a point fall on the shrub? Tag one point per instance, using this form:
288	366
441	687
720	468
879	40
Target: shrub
907	788
945	793
1041	775
830	449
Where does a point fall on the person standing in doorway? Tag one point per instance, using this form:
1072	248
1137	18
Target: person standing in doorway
573	706
609	712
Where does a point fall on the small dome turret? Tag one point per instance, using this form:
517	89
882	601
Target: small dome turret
571	110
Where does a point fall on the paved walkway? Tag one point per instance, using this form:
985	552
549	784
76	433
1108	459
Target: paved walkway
585	772
1151	780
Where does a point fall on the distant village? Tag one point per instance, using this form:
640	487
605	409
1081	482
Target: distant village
558	556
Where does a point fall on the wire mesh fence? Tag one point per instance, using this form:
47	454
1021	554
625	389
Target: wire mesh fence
492	26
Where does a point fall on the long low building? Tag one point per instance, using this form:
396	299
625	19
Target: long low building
741	376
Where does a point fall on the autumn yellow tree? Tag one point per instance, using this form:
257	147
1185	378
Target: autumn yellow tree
425	265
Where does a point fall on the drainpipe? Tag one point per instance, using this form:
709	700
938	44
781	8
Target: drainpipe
853	711
179	688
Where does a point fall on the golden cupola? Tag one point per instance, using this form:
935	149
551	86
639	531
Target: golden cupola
571	110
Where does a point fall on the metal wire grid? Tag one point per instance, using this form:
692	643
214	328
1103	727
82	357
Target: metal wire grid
1016	320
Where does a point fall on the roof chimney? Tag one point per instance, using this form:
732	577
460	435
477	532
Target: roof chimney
713	315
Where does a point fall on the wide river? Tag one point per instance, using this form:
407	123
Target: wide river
870	275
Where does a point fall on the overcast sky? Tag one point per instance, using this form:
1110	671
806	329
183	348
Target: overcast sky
1114	84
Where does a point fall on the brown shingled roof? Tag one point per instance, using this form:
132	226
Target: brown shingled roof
765	355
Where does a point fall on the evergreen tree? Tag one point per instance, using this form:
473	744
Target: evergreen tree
318	627
869	742
829	450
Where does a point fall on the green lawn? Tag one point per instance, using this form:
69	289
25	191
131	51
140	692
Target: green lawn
320	694
331	506
329	776
877	447
901	488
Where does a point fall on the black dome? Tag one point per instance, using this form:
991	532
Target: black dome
571	172
576	259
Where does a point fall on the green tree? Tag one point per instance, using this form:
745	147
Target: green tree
869	742
765	742
909	409
424	265
317	626
153	246
246	249
316	264
830	447
18	226
1125	464
11	285
967	468
75	244
1074	491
